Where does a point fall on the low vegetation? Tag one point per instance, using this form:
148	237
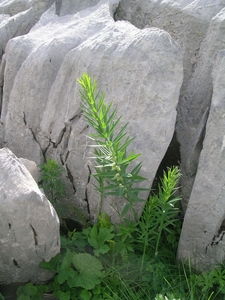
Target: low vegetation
133	260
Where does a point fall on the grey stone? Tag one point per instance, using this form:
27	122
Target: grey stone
29	225
18	17
67	7
32	168
190	24
140	70
202	237
193	106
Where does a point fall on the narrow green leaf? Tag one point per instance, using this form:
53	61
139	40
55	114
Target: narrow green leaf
126	208
130	158
108	187
120	134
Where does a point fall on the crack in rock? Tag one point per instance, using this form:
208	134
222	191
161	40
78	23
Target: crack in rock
58	4
217	237
2	69
86	192
70	177
35	235
43	151
15	263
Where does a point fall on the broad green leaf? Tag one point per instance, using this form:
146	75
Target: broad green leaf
97	290
72	281
89	269
102	250
30	289
64	295
66	261
52	264
65	274
98	237
24	297
85	295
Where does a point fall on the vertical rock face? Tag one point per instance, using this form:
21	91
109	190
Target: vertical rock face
140	70
202	236
29	225
194	105
193	26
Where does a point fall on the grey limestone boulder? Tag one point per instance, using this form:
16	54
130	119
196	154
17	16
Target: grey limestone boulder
198	27
140	70
202	237
29	225
195	104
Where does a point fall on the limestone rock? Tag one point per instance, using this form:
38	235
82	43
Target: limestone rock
17	18
67	7
140	70
29	225
187	21
194	105
190	23
202	236
32	168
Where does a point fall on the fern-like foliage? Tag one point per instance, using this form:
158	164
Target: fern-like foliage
110	147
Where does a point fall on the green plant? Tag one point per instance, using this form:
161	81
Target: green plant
55	189
210	285
99	238
31	292
2	297
110	149
167	297
136	259
51	180
77	275
159	217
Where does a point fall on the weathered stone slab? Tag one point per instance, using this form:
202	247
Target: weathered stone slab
18	17
190	23
202	237
29	225
140	70
194	105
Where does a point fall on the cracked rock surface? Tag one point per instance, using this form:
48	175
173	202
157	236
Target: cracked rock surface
140	70
29	224
204	223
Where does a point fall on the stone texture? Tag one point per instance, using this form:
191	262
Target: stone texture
29	225
32	168
202	236
69	7
18	17
194	105
189	23
140	70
